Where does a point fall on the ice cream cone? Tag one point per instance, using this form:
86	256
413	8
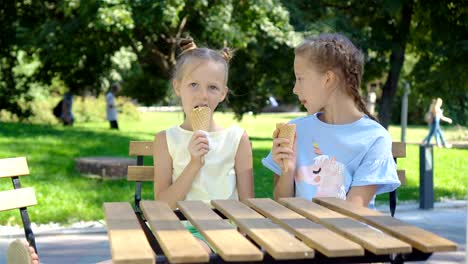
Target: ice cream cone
286	131
200	118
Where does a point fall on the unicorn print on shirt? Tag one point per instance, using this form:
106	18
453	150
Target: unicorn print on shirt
326	173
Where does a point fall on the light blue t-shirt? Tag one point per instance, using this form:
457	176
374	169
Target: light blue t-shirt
333	158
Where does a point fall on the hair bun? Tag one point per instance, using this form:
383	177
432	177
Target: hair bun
227	53
186	45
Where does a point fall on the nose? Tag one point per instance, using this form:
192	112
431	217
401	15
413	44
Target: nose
295	88
203	93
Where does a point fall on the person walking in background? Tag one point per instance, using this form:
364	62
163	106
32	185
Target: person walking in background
111	106
67	114
437	115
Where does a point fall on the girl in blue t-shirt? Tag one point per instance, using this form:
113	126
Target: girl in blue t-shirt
339	149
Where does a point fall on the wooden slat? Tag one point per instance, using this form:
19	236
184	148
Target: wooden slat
314	235
178	244
141	148
371	239
18	198
224	237
402	176
422	240
13	167
128	242
140	173
399	149
275	240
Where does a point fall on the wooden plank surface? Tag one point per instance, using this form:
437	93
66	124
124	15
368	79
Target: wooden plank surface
178	244
13	167
18	198
128	242
275	240
140	148
314	235
140	173
223	236
399	149
371	239
422	240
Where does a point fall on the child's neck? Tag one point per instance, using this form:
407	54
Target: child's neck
344	112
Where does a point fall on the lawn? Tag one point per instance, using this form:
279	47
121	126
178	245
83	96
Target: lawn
65	196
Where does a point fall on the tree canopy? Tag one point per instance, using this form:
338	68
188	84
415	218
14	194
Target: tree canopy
87	44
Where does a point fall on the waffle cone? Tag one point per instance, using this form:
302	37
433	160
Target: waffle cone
200	118
286	131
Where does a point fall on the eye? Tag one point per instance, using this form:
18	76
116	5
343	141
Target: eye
213	87
317	171
193	85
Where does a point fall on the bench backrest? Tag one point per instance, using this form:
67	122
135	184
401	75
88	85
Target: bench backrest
141	173
18	198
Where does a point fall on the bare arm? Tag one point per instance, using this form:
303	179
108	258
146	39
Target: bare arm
164	188
361	195
446	119
284	185
244	169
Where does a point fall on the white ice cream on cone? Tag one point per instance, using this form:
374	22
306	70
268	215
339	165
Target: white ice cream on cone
286	131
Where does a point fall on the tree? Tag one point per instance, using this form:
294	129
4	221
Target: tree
387	30
258	30
15	17
75	41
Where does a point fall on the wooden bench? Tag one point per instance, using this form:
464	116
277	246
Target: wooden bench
326	230
18	198
140	173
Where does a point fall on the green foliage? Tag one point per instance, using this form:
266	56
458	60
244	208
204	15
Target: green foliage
435	44
65	196
88	44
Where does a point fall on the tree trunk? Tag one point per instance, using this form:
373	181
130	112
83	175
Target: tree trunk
397	57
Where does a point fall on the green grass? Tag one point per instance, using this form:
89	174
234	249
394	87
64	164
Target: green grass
65	196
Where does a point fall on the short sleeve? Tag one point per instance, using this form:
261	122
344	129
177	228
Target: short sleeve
270	164
378	167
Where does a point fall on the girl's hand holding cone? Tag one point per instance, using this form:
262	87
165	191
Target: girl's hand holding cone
198	147
284	146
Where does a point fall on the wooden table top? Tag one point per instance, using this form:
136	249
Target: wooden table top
325	230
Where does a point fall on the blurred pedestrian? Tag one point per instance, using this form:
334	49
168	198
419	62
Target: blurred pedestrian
434	116
112	106
67	114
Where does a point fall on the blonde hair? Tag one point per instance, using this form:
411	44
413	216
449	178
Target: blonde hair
190	51
335	52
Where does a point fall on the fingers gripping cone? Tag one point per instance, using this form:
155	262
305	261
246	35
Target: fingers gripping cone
200	118
286	131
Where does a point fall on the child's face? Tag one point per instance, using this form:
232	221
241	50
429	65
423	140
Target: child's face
203	84
311	85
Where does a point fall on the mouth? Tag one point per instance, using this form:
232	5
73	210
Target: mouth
303	102
201	105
